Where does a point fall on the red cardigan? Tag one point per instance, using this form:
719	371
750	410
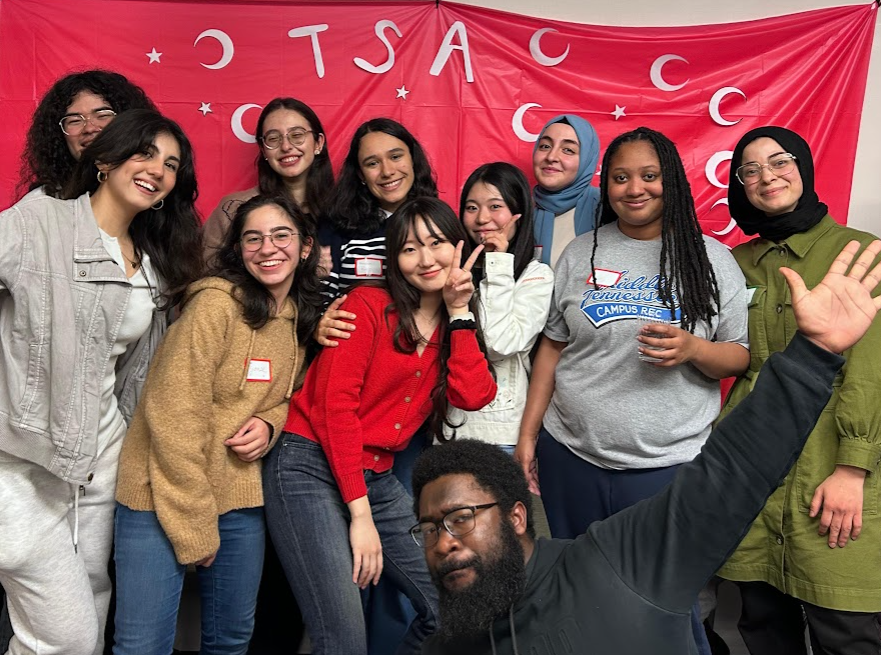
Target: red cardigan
364	400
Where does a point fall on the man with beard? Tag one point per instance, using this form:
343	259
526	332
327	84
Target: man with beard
628	584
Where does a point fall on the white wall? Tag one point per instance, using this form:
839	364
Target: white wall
865	202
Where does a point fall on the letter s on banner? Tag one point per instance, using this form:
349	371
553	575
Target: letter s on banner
380	29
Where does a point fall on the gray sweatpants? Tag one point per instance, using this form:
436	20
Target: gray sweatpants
57	595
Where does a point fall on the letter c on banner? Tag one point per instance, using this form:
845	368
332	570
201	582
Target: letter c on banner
517	123
225	43
538	55
731	223
716	100
712	167
236	123
312	32
447	47
380	29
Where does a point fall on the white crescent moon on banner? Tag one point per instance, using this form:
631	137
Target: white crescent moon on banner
517	123
713	166
655	73
731	224
538	55
236	123
717	99
225	43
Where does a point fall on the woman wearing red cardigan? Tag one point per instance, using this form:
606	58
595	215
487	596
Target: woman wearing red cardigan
337	515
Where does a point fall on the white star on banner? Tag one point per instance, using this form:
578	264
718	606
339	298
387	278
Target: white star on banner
402	92
154	56
619	112
205	108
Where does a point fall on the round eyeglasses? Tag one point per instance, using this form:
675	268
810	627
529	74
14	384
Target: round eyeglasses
281	239
74	124
457	522
751	172
296	137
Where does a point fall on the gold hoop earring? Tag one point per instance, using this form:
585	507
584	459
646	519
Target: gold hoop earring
159	205
102	177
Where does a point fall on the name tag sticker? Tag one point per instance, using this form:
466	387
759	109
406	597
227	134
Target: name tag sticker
750	292
368	267
605	278
260	370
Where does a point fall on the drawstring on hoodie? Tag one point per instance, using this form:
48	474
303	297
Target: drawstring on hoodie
294	371
492	639
76	515
248	359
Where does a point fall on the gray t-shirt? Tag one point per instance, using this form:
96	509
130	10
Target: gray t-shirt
608	407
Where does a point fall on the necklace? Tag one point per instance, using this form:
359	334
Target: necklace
134	262
431	322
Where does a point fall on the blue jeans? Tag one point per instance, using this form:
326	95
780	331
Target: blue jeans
309	523
387	611
149	581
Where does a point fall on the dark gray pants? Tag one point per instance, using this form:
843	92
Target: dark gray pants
5	625
773	623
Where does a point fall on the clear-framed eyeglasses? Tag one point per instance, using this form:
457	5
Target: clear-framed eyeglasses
458	522
751	172
281	239
74	124
296	137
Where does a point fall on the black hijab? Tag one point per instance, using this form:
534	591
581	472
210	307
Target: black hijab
809	209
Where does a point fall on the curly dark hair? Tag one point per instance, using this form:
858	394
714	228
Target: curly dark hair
171	235
492	468
353	207
514	187
684	263
256	299
46	160
319	181
441	222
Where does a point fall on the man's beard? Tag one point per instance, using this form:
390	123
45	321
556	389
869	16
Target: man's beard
497	585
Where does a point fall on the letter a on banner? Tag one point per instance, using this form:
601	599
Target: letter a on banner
447	47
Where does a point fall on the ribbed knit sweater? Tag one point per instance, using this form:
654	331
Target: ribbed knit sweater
200	389
364	400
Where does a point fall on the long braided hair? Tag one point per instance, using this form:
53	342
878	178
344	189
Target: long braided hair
684	264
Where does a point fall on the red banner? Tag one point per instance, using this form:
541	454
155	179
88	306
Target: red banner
474	85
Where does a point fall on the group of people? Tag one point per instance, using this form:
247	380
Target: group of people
170	391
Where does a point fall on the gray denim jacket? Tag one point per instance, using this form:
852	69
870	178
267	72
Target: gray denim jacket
62	300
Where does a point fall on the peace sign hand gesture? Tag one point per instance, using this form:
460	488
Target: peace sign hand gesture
459	286
836	313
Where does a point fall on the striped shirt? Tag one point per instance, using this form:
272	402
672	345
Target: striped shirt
357	256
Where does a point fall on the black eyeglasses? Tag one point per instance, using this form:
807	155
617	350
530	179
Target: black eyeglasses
273	139
458	522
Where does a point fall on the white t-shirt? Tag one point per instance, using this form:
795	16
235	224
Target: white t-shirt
135	323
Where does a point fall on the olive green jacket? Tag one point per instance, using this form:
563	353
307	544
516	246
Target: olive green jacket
783	547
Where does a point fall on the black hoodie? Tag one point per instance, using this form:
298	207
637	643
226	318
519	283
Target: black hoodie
627	586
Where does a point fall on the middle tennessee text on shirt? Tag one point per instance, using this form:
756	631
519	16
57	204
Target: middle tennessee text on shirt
627	298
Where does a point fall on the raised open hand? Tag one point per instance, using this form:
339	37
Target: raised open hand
836	313
460	286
